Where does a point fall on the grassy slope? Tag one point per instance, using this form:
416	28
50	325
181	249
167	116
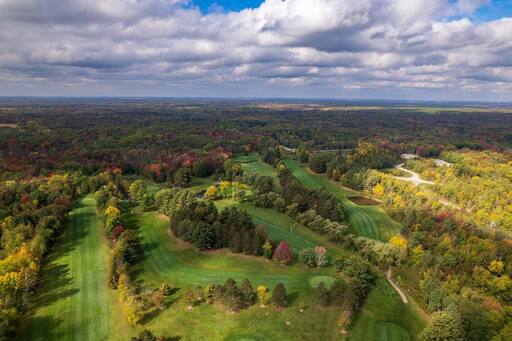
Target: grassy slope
253	163
384	317
73	302
168	259
368	221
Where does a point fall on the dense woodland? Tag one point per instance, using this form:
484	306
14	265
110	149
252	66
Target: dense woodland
454	249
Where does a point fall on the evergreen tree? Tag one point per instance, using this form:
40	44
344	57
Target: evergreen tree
249	296
322	295
279	295
336	293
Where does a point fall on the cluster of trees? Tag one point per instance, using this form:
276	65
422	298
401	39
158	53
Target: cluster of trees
479	182
32	213
335	295
315	257
367	155
236	297
361	282
320	200
465	270
199	222
227	189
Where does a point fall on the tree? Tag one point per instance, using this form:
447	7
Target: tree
322	260
267	249
263	294
138	192
322	295
211	193
283	254
247	292
445	326
279	295
336	292
308	257
182	178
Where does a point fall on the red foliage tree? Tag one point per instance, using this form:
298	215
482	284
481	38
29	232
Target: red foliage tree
283	254
116	232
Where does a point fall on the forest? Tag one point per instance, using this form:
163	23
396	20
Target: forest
247	220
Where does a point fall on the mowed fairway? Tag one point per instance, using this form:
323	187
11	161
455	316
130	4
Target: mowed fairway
72	302
368	221
170	260
253	164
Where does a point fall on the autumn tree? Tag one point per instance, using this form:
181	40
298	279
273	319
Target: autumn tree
283	254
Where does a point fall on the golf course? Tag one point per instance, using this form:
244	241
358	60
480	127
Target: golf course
367	221
73	302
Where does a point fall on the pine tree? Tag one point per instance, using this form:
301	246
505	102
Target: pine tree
279	295
248	293
321	295
336	293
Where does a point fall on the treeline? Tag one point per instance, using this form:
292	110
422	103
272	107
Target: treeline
125	248
32	214
199	222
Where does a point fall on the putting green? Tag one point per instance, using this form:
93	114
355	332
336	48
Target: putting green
327	280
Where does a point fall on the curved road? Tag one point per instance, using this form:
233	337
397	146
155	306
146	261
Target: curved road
415	177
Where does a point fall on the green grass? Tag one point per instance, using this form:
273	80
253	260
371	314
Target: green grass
177	263
253	164
73	302
385	318
368	221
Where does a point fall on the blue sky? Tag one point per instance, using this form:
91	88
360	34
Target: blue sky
229	5
386	49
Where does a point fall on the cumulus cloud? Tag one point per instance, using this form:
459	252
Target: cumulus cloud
139	46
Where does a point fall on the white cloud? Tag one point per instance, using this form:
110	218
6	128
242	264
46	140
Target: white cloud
331	44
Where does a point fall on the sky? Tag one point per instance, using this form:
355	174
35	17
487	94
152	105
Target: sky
365	49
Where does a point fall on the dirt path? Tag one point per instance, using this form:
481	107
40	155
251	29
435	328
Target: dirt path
389	275
415	177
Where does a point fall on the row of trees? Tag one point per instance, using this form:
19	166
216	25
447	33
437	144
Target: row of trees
236	297
125	245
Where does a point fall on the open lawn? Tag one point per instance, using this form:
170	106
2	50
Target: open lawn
368	221
177	263
73	301
384	316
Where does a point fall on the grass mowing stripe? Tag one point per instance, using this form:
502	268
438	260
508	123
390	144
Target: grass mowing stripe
357	218
72	301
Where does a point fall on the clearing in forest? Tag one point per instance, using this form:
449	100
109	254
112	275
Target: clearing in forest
72	302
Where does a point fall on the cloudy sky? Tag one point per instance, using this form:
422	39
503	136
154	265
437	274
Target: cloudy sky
400	49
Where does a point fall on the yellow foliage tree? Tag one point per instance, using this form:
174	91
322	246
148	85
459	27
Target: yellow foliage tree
263	294
211	193
496	267
378	190
398	241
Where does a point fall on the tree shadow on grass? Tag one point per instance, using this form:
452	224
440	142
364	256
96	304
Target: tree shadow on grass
292	298
49	324
169	301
